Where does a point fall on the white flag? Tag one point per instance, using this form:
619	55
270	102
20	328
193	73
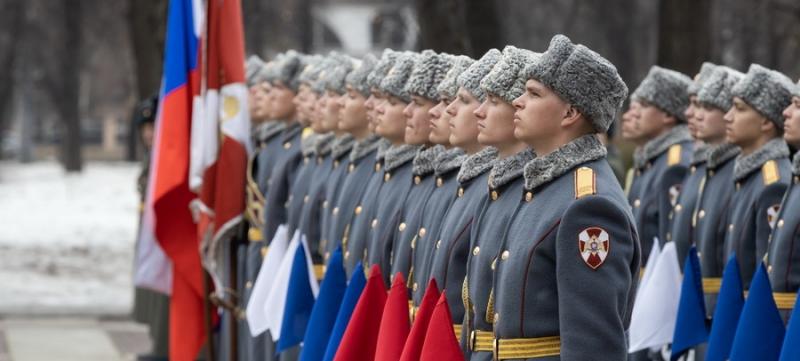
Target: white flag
656	307
655	251
256	319
276	301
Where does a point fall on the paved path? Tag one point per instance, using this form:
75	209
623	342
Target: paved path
68	339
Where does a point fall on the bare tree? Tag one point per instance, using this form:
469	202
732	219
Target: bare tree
683	37
65	85
11	21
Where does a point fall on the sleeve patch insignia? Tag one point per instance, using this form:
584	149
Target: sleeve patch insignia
772	215
594	244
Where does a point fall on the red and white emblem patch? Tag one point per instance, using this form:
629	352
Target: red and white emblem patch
594	243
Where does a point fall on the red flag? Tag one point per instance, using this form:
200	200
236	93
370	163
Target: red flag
416	338
360	338
440	340
395	323
231	166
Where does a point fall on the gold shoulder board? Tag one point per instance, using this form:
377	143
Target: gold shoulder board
674	155
770	173
306	132
584	182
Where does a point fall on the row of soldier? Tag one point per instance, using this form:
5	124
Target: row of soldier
486	180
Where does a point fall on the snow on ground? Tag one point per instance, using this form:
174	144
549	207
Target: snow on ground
67	240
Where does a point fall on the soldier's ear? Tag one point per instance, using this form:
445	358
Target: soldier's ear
571	116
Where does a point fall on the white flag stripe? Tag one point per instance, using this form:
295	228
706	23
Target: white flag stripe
276	301
256	318
312	277
656	308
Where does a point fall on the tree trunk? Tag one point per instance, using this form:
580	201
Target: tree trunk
67	98
11	21
683	40
147	28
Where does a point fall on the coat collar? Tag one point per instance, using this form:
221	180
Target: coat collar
342	145
383	146
476	164
398	155
364	146
660	144
425	161
544	169
796	164
509	168
720	154
307	144
291	130
322	145
266	130
449	160
746	164
699	153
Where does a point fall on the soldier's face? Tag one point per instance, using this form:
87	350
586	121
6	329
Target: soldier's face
391	122
651	121
353	114
370	104
299	102
314	114
743	124
710	124
418	120
495	121
538	115
691	115
259	102
281	105
791	125
440	123
630	130
463	122
146	131
331	111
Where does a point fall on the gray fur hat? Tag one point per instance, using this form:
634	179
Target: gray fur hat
504	80
766	90
717	86
700	78
319	85
358	77
666	89
448	87
253	67
334	76
429	70
796	88
311	70
471	78
381	68
287	67
394	83
581	77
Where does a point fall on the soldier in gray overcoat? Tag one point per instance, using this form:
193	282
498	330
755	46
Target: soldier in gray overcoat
566	273
784	255
761	173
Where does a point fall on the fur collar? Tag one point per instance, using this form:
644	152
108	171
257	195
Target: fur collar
396	156
307	144
291	131
509	168
322	145
660	144
746	164
425	161
383	145
638	158
544	169
477	164
342	145
266	130
364	146
796	164
699	153
721	154
449	160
